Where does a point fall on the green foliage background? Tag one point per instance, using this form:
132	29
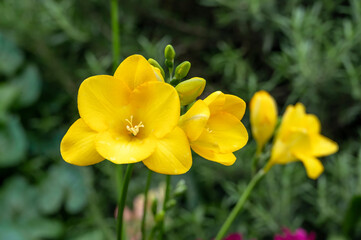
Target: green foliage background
300	51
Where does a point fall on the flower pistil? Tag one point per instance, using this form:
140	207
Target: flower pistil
134	130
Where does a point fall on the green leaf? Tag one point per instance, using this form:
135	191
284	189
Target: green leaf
51	192
65	184
8	94
352	216
93	235
10	56
9	232
42	228
13	142
29	85
16	200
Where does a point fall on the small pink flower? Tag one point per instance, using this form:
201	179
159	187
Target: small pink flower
234	236
299	234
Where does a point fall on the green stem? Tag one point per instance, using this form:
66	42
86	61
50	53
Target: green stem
145	204
151	235
121	204
240	204
170	74
115	33
166	197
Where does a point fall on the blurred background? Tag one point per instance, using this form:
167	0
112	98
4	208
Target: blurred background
298	50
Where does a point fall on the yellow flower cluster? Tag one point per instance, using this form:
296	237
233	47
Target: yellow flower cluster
134	116
298	137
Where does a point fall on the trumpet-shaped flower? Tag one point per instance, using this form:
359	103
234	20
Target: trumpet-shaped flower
214	128
127	118
263	111
299	138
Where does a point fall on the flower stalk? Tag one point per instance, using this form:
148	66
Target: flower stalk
240	204
115	33
121	204
144	217
166	197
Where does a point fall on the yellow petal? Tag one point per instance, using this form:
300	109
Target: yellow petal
281	153
322	146
313	124
225	131
78	146
120	148
234	105
194	120
313	166
226	159
157	105
101	100
158	74
219	101
294	117
172	154
134	71
215	101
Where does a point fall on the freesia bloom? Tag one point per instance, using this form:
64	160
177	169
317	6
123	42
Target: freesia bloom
263	110
299	138
214	128
127	118
299	234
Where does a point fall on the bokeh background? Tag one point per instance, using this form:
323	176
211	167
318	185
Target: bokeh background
298	50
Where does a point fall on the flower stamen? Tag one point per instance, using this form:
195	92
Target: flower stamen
134	130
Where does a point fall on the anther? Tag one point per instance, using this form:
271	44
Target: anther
134	130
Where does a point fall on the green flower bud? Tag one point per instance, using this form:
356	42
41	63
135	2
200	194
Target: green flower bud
182	70
154	63
190	89
154	206
180	188
169	53
159	217
170	204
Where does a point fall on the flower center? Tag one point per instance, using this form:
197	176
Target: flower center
134	130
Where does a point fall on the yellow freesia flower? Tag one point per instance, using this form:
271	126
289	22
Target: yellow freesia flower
214	128
263	111
299	138
127	118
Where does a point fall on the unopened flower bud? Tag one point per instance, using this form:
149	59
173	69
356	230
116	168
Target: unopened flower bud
263	111
190	89
159	217
180	188
169	53
154	206
182	70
